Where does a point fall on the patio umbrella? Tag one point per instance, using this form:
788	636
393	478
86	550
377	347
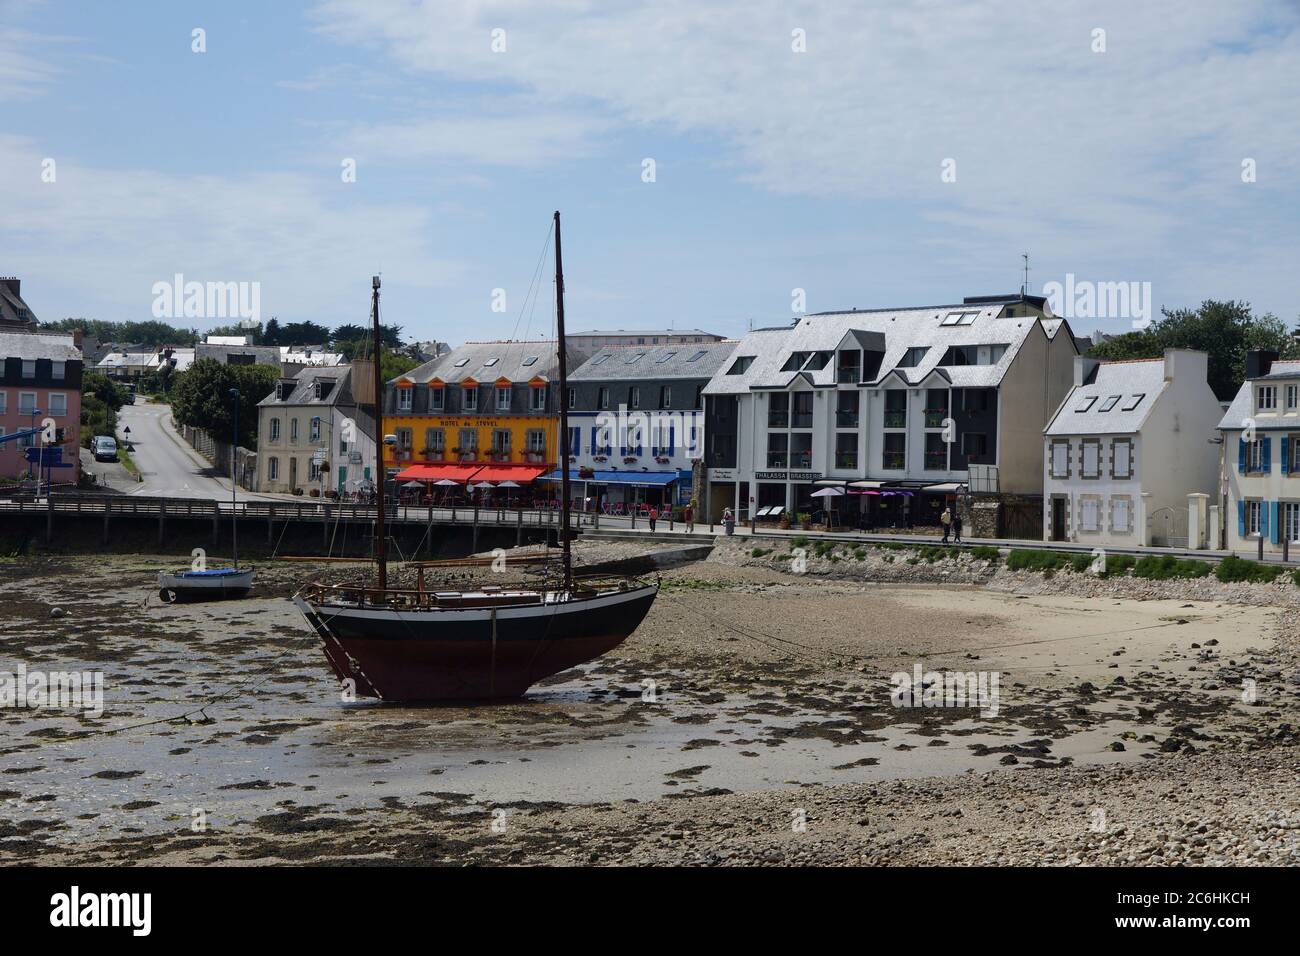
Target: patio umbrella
413	484
446	483
508	484
828	493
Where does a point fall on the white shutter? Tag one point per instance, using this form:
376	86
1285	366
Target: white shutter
1119	514
1090	460
1121	466
1060	460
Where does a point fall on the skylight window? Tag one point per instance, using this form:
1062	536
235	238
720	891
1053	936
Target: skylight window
1133	402
960	318
490	362
531	360
1087	403
462	363
601	360
664	358
698	355
635	358
1109	403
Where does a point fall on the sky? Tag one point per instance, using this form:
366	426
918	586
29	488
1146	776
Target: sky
718	163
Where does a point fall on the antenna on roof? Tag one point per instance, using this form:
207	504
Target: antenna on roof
1024	288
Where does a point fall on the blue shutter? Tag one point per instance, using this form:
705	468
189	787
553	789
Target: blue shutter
671	440
1274	507
1263	519
1241	519
575	441
1286	455
1266	454
1241	456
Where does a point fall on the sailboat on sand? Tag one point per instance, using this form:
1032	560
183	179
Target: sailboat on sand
416	645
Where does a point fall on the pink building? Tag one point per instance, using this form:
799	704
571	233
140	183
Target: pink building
40	379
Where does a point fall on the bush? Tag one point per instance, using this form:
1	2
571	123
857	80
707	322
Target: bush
759	552
798	541
932	553
1023	559
1165	567
1117	564
985	553
823	548
1232	569
861	553
1295	577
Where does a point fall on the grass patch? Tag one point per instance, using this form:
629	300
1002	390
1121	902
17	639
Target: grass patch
985	553
1166	567
798	541
931	553
124	457
1024	559
1233	569
759	552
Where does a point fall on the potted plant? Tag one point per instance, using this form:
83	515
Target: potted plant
805	521
630	460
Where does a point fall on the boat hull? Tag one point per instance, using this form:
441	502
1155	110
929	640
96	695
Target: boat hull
429	655
186	586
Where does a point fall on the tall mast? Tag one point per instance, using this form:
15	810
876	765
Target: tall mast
565	503
381	534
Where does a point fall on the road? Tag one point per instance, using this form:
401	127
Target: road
169	467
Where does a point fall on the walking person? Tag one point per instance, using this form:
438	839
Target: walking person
689	516
946	520
654	516
729	521
956	528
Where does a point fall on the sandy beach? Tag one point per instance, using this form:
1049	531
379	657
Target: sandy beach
750	720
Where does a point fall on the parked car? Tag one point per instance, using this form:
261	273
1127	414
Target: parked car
104	448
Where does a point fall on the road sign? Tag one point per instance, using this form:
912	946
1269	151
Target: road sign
52	455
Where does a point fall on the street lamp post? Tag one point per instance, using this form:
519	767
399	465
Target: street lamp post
234	483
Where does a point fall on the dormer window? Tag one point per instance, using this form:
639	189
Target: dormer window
818	361
1292	397
1266	398
913	356
469	399
403	398
741	365
795	361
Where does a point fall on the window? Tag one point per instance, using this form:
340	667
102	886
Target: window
665	396
1060	462
778	410
26	403
819	361
601	359
602	397
801	415
960	318
1091	451
698	355
1090	514
1109	403
1292	397
531	360
1292	449
1133	402
275	431
536	441
467	442
795	361
1266	398
1291	521
58	403
4	402
974	355
975	399
846	450
490	362
537	395
975	446
293	431
313	470
1255	455
273	467
57	370
1121	509
801	450
503	398
936	452
29	368
1086	404
913	356
460	363
846	409
501	442
1121	458
778	444
1252	515
404	399
636	357
634	397
437	399
575	441
667	356
433	441
894	454
741	365
895	408
469	399
573	397
404	439
313	431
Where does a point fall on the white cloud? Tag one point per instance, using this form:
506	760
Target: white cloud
102	237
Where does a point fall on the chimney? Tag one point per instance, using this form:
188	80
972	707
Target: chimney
1083	369
1258	362
13	284
76	338
1186	364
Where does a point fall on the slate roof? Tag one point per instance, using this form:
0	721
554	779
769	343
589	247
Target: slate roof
304	390
39	345
1242	406
901	329
471	361
628	362
1127	380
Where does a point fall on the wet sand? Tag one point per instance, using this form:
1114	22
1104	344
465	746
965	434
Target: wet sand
748	696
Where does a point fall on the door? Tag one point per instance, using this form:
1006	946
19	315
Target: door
1058	519
293	474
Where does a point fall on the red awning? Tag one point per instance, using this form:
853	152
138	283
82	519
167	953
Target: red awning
519	474
454	472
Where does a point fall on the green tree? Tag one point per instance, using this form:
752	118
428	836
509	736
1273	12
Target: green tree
150	333
302	333
202	398
1226	331
100	401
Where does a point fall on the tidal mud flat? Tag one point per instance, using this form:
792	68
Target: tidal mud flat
749	720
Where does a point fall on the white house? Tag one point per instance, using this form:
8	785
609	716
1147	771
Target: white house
1261	443
895	406
1128	445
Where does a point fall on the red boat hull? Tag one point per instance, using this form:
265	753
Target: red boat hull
419	655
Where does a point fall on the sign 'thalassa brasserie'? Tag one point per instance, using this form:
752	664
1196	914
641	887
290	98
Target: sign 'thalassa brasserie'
787	475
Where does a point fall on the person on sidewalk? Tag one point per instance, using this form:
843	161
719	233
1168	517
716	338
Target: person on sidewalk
689	516
956	528
946	520
729	521
654	516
